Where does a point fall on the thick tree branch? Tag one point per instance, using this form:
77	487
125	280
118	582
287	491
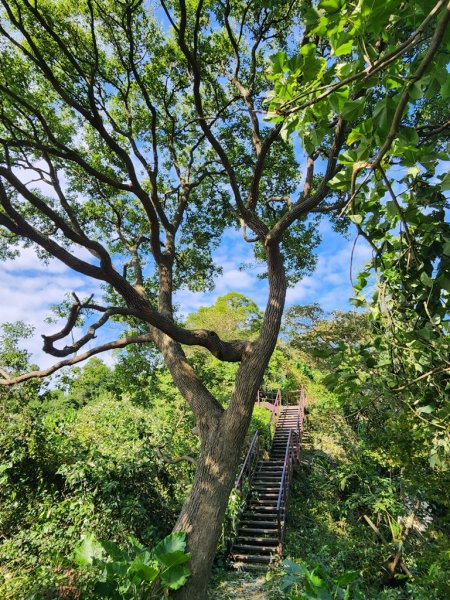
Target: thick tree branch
306	203
117	344
75	310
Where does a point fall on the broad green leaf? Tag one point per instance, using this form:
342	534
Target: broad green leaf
315	580
444	282
331	6
174	558
426	280
278	61
87	551
340	181
426	409
413	171
352	109
338	99
383	113
445	183
113	550
308	49
175	542
408	135
415	91
445	88
174	577
344	48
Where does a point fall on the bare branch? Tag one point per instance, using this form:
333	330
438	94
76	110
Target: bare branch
121	343
175	461
74	313
244	233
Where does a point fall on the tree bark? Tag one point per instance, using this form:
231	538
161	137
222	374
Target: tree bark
204	510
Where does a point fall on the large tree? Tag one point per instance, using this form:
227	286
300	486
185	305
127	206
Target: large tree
144	124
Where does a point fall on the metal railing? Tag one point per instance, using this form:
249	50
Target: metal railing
276	409
250	462
283	494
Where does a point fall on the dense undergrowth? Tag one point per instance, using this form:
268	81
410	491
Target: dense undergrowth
108	454
331	550
342	481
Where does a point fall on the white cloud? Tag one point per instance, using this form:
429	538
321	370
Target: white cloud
28	289
330	284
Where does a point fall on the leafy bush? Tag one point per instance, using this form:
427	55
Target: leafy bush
135	572
303	583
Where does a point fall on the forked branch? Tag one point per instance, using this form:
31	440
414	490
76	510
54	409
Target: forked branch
120	343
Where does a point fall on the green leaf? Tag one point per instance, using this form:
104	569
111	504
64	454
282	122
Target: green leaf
408	135
352	109
445	88
175	542
383	113
347	578
425	279
308	49
174	577
445	183
114	551
344	48
87	551
340	181
315	580
358	219
444	282
415	91
331	6
413	171
278	61
426	409
146	572
174	558
338	99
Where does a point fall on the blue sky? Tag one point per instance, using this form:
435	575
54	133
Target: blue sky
29	288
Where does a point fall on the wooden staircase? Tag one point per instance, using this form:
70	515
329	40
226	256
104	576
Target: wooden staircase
262	525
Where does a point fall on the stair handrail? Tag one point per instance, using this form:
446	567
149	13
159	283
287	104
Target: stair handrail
276	406
284	489
250	462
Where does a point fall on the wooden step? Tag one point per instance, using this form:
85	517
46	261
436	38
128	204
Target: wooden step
265	541
256	524
252	558
267	515
242	566
262	497
263	518
258	531
251	549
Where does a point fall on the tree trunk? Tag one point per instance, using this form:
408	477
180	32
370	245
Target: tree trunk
204	510
222	435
